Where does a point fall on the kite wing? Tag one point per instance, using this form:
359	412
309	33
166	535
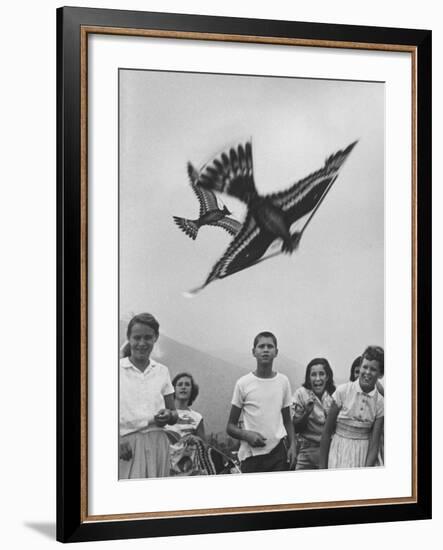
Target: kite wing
231	173
232	226
206	197
247	247
305	195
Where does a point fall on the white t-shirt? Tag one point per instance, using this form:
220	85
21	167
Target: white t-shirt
261	401
141	394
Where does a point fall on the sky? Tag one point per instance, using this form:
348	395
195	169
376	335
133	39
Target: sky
326	299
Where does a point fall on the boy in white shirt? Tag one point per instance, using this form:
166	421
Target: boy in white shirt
263	398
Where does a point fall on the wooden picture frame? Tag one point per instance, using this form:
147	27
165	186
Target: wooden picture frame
74	27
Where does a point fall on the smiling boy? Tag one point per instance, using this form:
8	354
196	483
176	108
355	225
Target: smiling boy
263	398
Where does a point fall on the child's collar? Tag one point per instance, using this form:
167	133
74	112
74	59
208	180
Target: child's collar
360	390
257	375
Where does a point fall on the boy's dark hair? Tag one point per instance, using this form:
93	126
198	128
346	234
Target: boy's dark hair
265	334
330	386
356	363
194	385
143	319
375	353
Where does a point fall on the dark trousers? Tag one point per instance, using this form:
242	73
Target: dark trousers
275	461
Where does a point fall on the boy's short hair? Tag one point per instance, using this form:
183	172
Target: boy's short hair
143	319
194	385
265	334
375	353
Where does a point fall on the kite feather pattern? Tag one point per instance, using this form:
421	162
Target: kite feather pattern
231	174
268	217
210	213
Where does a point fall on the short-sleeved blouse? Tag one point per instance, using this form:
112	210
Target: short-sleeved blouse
358	408
142	394
316	420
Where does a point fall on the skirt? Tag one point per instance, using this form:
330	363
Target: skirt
148	455
347	451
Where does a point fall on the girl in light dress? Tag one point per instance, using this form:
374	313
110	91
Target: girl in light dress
183	448
146	404
355	371
186	392
190	454
351	436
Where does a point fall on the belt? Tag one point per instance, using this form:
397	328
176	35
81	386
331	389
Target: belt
352	432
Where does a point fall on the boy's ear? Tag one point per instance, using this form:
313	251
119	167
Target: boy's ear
276	352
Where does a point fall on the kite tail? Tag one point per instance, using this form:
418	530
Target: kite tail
190	227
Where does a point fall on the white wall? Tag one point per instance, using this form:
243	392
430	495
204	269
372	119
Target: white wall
27	221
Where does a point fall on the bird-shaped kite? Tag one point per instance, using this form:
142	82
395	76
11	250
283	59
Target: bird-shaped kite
269	217
210	212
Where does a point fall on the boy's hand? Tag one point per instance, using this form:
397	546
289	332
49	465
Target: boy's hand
162	417
125	451
255	439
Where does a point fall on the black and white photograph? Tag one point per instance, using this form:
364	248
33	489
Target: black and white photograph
251	274
217	220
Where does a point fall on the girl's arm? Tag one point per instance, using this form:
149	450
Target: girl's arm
200	431
328	430
170	405
168	415
289	427
374	442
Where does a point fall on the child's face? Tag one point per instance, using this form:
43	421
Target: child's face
318	379
183	388
141	341
265	349
369	374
